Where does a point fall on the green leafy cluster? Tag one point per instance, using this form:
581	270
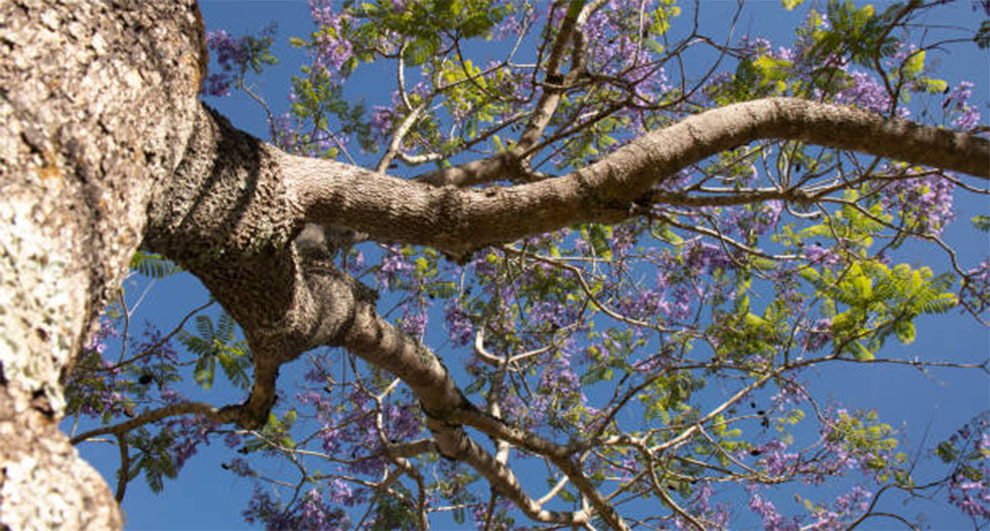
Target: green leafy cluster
217	344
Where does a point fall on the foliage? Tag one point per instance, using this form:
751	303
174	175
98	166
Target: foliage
677	346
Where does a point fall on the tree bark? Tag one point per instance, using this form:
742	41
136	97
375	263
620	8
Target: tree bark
104	145
96	103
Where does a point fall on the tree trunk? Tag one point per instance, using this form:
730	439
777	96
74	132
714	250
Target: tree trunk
104	145
96	105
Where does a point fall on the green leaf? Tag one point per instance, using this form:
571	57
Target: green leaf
946	452
860	352
982	37
791	4
905	331
915	64
153	265
203	373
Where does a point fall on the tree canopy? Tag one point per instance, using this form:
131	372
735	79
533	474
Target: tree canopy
584	266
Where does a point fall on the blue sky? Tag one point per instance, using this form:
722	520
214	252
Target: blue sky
933	405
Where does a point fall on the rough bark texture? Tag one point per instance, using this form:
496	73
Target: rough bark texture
96	101
104	144
462	220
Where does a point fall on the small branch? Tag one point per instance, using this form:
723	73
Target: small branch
223	416
395	146
125	465
158	344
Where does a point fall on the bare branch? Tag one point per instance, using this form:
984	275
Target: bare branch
225	415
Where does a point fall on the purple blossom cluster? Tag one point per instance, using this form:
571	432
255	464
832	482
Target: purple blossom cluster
703	257
957	103
969	452
755	219
775	460
96	389
458	323
816	336
521	16
232	55
788	392
821	256
153	342
972	497
648	304
868	94
189	433
393	268
772	519
106	331
101	395
332	49
751	47
286	132
311	512
414	319
975	293
355	431
616	51
925	203
700	504
558	378
844	508
383	122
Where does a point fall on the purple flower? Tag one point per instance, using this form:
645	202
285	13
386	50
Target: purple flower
285	133
967	117
558	377
818	255
771	518
393	267
775	461
971	497
310	512
865	93
331	438
105	332
705	257
751	47
414	321
458	324
926	203
189	432
332	48
313	514
230	51
232	55
700	504
818	335
340	491
240	467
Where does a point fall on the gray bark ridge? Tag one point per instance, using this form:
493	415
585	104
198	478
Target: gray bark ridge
96	103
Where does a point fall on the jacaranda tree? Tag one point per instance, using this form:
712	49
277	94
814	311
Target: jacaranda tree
630	240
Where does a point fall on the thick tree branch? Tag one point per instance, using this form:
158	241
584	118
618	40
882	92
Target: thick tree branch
446	408
459	221
235	210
